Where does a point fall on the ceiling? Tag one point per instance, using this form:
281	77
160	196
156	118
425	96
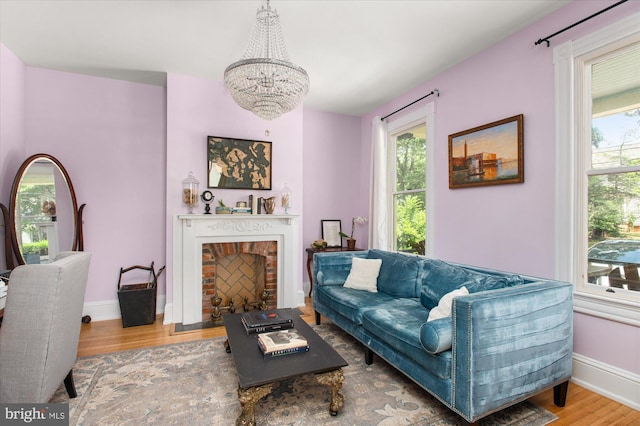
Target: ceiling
359	54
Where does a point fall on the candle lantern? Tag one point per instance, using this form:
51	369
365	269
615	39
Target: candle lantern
190	192
286	198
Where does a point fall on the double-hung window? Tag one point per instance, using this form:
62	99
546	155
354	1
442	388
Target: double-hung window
408	190
598	170
411	171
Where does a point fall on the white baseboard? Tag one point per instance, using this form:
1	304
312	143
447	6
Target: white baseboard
614	383
168	313
110	309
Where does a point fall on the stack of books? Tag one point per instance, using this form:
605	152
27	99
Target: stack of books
283	342
265	321
241	210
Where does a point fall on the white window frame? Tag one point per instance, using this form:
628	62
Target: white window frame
571	107
424	115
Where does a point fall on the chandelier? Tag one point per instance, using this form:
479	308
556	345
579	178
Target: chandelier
264	81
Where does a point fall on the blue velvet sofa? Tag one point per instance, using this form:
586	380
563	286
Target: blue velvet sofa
508	339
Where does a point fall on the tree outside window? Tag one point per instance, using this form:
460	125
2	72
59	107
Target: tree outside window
409	194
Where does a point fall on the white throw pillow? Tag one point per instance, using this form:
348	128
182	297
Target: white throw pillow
364	274
443	309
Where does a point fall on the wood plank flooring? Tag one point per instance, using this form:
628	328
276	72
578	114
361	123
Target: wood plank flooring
583	408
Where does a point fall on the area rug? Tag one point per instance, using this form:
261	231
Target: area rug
195	383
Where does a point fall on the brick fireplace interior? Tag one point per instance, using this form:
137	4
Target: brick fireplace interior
236	270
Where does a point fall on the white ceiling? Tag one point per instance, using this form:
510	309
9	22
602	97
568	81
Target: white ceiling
359	54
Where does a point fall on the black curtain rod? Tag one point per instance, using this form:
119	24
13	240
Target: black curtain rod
433	92
546	39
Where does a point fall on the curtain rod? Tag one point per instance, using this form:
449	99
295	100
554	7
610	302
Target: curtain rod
433	92
546	39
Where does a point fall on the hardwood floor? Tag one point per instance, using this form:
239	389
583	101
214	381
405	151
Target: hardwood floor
583	408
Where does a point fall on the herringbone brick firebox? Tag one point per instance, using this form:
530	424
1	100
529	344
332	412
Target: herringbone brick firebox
237	270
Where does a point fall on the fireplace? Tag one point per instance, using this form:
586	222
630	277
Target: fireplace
238	273
193	232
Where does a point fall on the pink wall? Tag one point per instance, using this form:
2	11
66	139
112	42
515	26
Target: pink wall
597	339
110	136
332	163
511	227
197	108
12	126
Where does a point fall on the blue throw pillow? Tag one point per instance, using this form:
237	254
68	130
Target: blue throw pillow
398	274
439	278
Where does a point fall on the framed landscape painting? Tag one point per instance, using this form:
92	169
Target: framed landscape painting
238	163
492	154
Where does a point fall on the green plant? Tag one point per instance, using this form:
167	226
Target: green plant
411	223
39	247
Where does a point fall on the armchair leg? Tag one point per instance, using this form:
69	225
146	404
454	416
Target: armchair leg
69	385
317	318
560	394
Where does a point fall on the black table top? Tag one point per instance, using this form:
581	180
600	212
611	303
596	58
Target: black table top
255	370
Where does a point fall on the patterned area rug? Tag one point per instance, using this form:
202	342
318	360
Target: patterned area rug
195	383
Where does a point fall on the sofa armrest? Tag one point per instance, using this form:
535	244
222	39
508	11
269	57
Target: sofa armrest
332	268
509	344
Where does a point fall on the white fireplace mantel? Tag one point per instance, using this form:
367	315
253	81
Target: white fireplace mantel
191	231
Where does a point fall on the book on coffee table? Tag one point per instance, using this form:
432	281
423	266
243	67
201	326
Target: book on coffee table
264	321
282	342
265	328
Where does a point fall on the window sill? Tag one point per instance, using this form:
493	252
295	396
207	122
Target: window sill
603	307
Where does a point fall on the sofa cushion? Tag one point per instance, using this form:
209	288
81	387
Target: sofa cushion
398	273
436	335
399	328
439	278
352	303
364	274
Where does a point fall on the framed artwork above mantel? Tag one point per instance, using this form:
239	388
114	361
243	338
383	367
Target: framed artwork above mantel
238	163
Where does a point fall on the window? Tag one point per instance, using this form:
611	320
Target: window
411	179
408	191
598	169
613	173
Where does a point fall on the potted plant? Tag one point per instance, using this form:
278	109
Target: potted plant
222	208
351	242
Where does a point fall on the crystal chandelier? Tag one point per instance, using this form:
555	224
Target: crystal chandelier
264	81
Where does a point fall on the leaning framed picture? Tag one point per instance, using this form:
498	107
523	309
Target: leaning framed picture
331	232
238	163
492	154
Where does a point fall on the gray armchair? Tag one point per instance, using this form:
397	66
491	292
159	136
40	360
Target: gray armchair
41	327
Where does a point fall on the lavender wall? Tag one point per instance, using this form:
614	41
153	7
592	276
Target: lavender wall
511	227
197	108
332	163
12	126
110	136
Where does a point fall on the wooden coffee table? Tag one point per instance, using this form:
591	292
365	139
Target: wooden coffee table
257	375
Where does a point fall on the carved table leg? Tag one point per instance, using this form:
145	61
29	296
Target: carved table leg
334	380
248	399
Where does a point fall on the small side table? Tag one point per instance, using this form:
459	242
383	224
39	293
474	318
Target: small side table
311	251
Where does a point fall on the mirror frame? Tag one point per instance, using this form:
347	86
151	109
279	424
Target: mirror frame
12	249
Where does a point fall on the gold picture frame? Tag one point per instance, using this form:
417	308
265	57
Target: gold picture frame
492	154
